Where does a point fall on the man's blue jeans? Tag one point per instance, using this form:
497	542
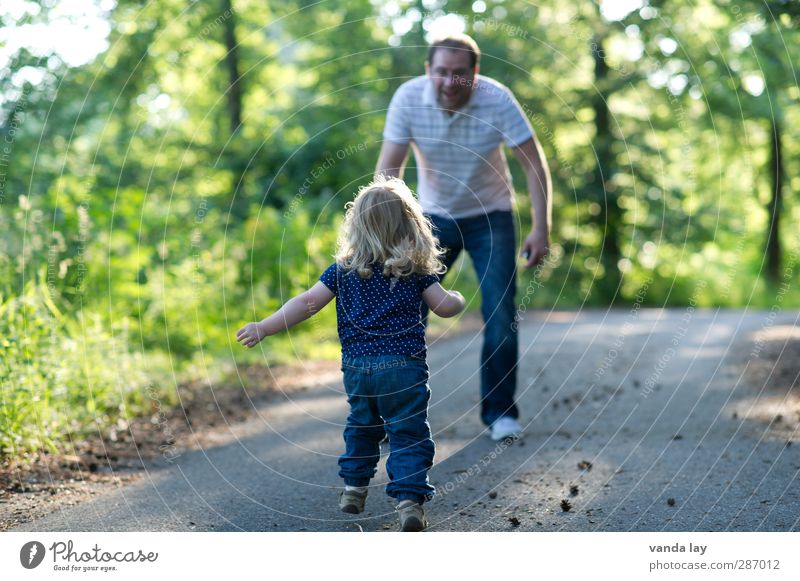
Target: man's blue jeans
388	394
490	241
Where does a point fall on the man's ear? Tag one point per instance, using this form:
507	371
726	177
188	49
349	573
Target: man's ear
427	68
477	69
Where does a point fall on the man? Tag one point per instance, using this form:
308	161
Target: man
457	122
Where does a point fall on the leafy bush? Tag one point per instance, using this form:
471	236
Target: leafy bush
64	376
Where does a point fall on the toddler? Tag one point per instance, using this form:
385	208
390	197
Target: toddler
387	264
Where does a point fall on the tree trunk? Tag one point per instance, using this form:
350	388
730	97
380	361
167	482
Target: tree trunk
240	205
610	217
773	245
232	64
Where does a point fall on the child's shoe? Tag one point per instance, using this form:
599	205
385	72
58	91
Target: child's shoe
412	516
352	501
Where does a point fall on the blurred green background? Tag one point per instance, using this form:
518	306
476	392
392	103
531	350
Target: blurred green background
172	169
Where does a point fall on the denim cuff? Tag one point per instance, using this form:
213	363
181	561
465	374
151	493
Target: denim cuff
418	498
356	481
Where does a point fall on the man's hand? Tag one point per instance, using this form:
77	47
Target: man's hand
250	335
535	247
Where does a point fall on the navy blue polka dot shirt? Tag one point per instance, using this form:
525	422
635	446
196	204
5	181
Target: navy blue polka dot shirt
378	315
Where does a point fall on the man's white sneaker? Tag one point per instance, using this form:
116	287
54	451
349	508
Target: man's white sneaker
504	428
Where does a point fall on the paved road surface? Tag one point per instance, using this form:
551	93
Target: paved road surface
653	402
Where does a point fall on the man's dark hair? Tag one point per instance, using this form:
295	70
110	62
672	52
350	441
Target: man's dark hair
457	42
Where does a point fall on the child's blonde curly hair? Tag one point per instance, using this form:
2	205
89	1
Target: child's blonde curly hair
386	224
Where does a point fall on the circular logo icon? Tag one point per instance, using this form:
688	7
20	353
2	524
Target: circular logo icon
31	554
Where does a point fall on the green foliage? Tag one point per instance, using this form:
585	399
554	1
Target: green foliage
62	376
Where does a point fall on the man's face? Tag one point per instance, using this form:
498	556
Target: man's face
452	77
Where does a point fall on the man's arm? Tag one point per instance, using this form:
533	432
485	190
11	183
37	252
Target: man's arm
537	244
392	159
294	311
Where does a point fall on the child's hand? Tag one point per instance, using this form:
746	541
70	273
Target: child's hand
250	335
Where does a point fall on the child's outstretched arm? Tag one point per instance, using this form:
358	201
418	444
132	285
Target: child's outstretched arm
296	310
443	302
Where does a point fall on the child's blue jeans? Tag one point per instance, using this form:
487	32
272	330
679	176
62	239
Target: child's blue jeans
388	395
